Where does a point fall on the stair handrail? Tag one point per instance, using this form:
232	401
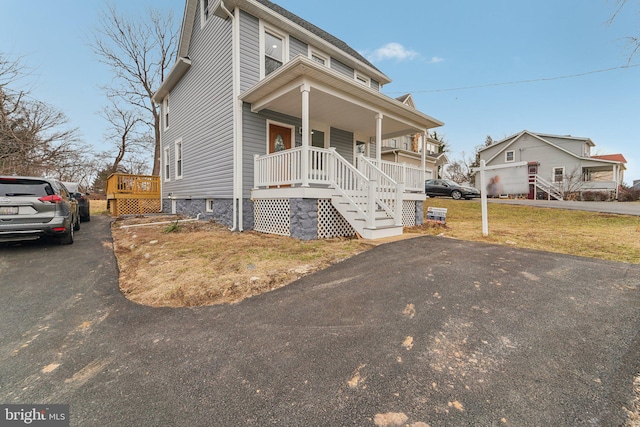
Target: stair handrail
545	185
350	183
388	191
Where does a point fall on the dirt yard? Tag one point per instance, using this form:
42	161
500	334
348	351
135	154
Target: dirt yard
203	263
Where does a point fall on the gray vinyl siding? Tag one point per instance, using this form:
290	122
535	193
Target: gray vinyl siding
296	47
530	149
577	147
340	67
343	143
254	135
201	114
249	51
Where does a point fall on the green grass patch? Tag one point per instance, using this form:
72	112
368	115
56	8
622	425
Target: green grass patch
590	234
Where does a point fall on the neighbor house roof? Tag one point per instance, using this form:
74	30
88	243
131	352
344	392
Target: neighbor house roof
612	157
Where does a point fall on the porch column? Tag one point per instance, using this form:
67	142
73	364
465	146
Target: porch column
379	117
304	89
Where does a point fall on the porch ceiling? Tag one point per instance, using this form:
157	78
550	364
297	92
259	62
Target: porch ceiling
335	100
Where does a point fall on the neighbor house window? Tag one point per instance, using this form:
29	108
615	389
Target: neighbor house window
165	107
179	164
274	51
167	166
510	156
558	174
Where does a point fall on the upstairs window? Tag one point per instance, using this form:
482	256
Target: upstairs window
362	79
318	57
273	52
204	12
165	107
510	156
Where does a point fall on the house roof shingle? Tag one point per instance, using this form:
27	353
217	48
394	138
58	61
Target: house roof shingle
317	31
612	157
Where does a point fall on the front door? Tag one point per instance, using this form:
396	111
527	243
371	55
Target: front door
533	170
279	138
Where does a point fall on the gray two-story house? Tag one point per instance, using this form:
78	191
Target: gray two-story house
554	165
272	124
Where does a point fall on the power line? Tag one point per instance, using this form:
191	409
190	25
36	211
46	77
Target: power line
542	79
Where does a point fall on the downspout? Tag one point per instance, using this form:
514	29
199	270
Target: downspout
237	124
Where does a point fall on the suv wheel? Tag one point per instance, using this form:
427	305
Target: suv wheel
67	238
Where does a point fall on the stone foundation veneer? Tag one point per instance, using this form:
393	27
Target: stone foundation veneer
222	210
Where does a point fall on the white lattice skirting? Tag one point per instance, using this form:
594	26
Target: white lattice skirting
272	216
331	223
408	213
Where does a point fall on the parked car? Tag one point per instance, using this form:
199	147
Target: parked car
31	208
448	188
84	205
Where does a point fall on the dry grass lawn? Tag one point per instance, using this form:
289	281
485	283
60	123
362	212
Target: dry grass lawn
203	263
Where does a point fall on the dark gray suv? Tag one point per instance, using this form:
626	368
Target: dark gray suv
32	207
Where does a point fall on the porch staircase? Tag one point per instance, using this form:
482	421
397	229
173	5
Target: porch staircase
369	200
546	186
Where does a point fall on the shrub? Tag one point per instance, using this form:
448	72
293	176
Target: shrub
628	194
596	196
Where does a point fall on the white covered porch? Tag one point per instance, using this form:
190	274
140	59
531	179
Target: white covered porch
368	192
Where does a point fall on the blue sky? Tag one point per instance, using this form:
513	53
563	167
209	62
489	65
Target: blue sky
453	56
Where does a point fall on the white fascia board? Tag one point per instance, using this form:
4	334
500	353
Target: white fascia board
178	70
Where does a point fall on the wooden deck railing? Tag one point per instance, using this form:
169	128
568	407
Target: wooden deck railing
132	186
133	194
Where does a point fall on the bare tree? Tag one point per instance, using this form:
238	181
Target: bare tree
460	170
138	50
633	41
123	131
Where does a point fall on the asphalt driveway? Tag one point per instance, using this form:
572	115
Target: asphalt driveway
429	330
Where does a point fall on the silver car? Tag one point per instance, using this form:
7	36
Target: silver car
31	208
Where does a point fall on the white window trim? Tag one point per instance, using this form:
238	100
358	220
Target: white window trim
177	144
362	79
506	156
553	173
285	45
166	164
165	111
314	52
208	205
284	125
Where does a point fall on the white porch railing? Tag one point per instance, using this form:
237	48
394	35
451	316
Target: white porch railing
388	191
366	192
551	189
411	176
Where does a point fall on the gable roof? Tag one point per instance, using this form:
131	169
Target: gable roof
298	27
617	158
407	100
612	157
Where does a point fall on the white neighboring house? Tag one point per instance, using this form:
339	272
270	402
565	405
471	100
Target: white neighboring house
550	166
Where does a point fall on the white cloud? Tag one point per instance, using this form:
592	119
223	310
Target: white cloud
435	60
393	51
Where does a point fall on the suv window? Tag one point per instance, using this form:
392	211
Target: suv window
25	187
